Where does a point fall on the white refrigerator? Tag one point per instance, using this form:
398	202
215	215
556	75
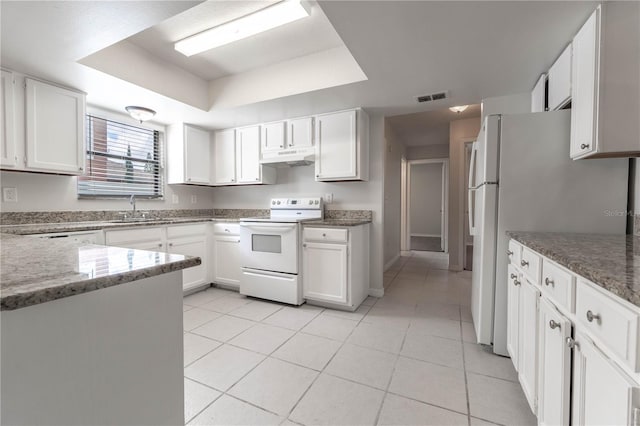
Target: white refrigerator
521	178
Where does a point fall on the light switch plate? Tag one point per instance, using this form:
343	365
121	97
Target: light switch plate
328	198
10	195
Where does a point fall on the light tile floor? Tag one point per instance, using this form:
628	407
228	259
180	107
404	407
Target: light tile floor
408	358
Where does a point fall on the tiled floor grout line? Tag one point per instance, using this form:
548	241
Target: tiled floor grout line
464	370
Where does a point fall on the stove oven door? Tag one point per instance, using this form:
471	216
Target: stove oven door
269	246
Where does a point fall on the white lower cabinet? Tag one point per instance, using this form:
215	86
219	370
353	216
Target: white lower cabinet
335	266
602	393
226	254
554	366
576	352
528	341
513	314
189	240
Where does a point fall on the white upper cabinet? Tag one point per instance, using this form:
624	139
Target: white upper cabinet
538	95
55	128
188	159
273	136
300	132
342	146
224	157
560	80
8	156
248	154
605	82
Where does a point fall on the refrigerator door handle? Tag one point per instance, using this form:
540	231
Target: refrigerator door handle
472	165
472	210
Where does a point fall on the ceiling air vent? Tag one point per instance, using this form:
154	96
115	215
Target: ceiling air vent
431	97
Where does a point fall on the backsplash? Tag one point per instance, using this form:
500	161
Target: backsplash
19	218
636	225
348	214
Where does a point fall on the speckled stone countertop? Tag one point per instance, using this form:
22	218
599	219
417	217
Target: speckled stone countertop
610	261
47	228
336	222
34	270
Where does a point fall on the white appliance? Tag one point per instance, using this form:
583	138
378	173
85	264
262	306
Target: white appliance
290	157
521	178
270	250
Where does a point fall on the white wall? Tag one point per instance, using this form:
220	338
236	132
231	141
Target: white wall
44	192
426	152
300	181
461	131
519	103
426	199
392	195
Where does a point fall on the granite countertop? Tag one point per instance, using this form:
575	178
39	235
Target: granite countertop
34	270
337	222
46	228
610	261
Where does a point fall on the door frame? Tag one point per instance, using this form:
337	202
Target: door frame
405	220
465	210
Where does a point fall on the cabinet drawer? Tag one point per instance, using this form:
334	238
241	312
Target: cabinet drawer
607	320
326	234
558	284
132	235
226	228
178	231
514	253
530	265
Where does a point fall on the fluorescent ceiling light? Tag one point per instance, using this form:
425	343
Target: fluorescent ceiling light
263	20
459	109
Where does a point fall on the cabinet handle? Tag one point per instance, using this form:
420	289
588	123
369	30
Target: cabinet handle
80	168
324	235
317	176
524	263
509	253
233	180
237	241
591	316
584	146
160	245
514	276
226	230
257	179
188	179
170	244
553	325
570	342
516	283
281	146
547	281
304	246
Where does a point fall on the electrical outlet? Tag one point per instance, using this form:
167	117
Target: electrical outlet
328	198
194	199
175	199
10	195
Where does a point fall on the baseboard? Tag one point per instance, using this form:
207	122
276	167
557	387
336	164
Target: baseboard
456	268
376	292
390	263
426	235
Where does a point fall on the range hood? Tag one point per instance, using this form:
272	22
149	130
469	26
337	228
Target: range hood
289	157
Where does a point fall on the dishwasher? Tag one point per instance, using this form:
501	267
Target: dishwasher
84	237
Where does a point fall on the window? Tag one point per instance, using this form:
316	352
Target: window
121	160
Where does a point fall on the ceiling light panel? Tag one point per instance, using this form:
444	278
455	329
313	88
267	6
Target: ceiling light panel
263	20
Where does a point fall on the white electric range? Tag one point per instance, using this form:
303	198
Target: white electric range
270	250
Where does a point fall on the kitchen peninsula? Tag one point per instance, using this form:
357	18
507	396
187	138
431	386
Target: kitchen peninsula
90	334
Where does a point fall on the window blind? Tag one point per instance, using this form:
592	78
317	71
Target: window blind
121	160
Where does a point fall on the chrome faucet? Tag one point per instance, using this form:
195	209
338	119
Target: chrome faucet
132	201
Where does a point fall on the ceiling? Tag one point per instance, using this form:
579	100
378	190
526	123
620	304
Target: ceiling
429	127
303	37
473	49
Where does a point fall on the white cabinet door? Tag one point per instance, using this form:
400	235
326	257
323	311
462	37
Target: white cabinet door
528	341
224	157
7	108
602	394
560	80
273	136
55	128
324	272
554	366
197	275
584	87
513	311
538	95
197	147
226	258
300	132
248	154
336	146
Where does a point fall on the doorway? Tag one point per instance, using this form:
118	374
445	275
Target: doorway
468	238
425	206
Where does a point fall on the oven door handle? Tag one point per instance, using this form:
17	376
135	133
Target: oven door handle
267	228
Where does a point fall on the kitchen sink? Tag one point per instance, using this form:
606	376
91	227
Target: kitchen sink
137	220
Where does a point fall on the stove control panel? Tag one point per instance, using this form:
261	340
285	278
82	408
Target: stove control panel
297	203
